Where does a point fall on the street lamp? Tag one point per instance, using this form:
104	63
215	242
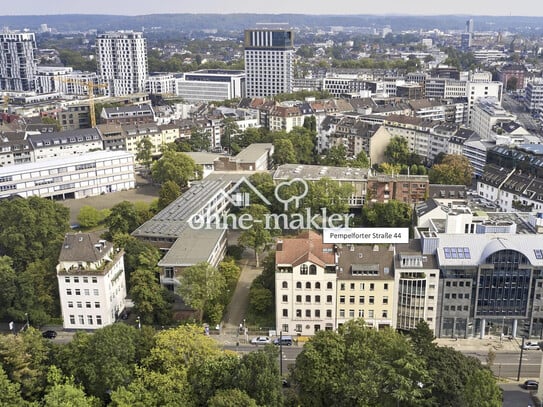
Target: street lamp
27	322
139	322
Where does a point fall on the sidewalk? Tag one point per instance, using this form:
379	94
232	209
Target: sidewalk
482	345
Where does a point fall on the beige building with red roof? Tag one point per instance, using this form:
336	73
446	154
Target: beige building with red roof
305	285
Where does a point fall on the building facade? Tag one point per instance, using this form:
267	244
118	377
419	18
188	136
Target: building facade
269	61
18	62
122	61
91	281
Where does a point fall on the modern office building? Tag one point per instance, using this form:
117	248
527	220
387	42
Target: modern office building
210	85
533	100
91	281
122	61
18	62
269	60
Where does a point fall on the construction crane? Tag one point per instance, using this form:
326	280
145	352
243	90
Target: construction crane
90	85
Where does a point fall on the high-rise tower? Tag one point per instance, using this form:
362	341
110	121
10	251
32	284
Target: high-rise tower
18	63
122	61
269	56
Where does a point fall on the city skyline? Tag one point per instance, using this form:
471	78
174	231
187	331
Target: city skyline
341	7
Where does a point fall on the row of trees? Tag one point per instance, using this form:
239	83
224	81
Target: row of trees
124	366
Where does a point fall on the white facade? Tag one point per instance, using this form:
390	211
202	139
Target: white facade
485	113
50	146
18	62
76	176
210	85
534	95
122	61
160	84
91	281
269	62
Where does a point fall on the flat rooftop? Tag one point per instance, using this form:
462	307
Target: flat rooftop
316	172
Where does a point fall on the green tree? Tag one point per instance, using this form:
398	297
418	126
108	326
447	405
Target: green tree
148	296
199	140
229	129
32	229
231	398
176	167
397	151
330	194
454	170
169	192
200	285
144	152
304	143
336	156
482	390
284	152
123	218
310	123
54	122
257	236
90	217
136	253
10	392
63	392
8	282
422	338
391	214
361	160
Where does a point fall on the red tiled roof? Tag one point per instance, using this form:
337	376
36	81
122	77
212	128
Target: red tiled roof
306	247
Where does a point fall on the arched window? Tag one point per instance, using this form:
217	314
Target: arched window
303	269
317	285
308	285
313	269
298	285
285	284
329	285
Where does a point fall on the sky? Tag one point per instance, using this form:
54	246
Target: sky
411	7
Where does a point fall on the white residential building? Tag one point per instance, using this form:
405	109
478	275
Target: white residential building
269	60
47	146
211	85
122	61
533	99
485	113
91	281
75	176
18	62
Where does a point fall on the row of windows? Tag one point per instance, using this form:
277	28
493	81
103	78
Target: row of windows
77	291
457	283
361	299
316	313
455	296
455	308
371	313
77	279
79	304
90	319
317	299
317	286
352	286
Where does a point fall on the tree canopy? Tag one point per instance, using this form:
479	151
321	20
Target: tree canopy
454	169
176	167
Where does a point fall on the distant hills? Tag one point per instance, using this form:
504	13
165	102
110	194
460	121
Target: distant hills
238	22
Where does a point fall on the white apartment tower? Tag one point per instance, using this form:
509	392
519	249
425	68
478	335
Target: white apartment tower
122	61
18	63
91	281
269	60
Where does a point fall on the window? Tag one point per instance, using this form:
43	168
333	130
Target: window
329	285
328	298
313	269
303	269
86	291
72	319
95	280
352	286
298	313
77	291
342	287
98	320
453	308
70	304
68	291
81	319
466	307
351	313
97	304
318	299
299	328
371	300
447	295
370	313
317	286
328	313
351	299
298	298
342	299
385	314
79	304
385	300
89	319
95	291
466	296
317	313
299	285
308	285
361	299
372	286
360	313
308	298
66	279
385	286
85	279
88	304
76	279
285	284
308	313
446	307
285	312
342	313
362	286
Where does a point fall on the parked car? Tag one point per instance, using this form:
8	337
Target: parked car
531	346
530	385
285	340
49	334
260	340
